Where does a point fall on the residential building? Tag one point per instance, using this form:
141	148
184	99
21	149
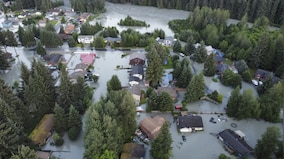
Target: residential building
152	126
88	58
137	59
42	131
85	39
136	93
53	59
167	41
262	75
137	71
189	123
84	17
69	29
235	144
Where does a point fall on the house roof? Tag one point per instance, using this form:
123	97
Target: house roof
111	39
136	89
88	58
170	90
77	74
82	66
137	69
152	126
133	151
43	154
134	78
189	121
69	29
235	142
221	68
264	74
42	130
141	56
52	58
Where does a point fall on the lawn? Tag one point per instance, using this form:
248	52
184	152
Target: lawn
53	22
169	64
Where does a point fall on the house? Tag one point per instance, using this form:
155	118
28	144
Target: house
85	39
133	151
42	131
88	58
137	59
171	90
6	24
134	80
43	154
42	23
137	71
234	143
74	75
151	126
53	59
69	29
167	41
189	123
81	66
84	17
112	40
136	93
262	75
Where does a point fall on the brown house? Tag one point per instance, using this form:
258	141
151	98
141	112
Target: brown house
69	29
137	59
42	131
171	90
133	151
152	126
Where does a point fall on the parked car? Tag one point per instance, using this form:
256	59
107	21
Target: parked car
183	138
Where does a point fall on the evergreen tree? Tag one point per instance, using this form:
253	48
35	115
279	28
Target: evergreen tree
25	152
21	33
71	42
195	89
232	105
177	46
80	95
209	66
113	84
161	146
60	123
267	146
200	53
165	102
40	50
152	101
65	90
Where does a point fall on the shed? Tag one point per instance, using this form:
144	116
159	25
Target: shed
42	131
151	126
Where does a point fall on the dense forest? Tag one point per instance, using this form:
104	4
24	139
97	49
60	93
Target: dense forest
272	9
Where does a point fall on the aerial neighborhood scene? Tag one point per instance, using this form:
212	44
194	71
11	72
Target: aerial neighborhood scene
141	79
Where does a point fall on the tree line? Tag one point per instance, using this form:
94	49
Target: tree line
272	9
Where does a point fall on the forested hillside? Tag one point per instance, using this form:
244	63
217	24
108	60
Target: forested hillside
272	9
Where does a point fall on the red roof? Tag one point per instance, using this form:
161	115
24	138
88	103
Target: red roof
88	58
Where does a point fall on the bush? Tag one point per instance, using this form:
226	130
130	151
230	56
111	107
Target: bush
74	133
247	76
220	98
214	79
216	96
58	140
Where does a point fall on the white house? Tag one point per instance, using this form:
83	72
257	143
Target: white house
85	39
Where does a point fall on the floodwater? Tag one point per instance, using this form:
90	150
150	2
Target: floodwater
198	145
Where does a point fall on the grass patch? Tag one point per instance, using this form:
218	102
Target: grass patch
53	22
169	64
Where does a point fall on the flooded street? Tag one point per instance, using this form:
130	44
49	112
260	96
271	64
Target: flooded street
200	145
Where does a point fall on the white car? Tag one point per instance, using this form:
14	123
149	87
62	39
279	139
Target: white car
181	54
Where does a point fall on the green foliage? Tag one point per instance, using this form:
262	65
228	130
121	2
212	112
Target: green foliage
129	21
40	50
71	42
182	73
88	29
243	106
92	6
223	156
177	46
73	133
209	66
58	140
99	42
196	88
161	146
106	155
216	96
113	84
110	32
200	53
64	90
268	144
32	20
25	152
229	78
247	76
45	37
60	120
165	102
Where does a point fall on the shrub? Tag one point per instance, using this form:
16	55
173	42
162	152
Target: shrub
220	98
74	133
58	140
214	79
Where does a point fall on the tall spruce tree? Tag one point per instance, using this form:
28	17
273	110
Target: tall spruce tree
209	66
65	90
196	88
